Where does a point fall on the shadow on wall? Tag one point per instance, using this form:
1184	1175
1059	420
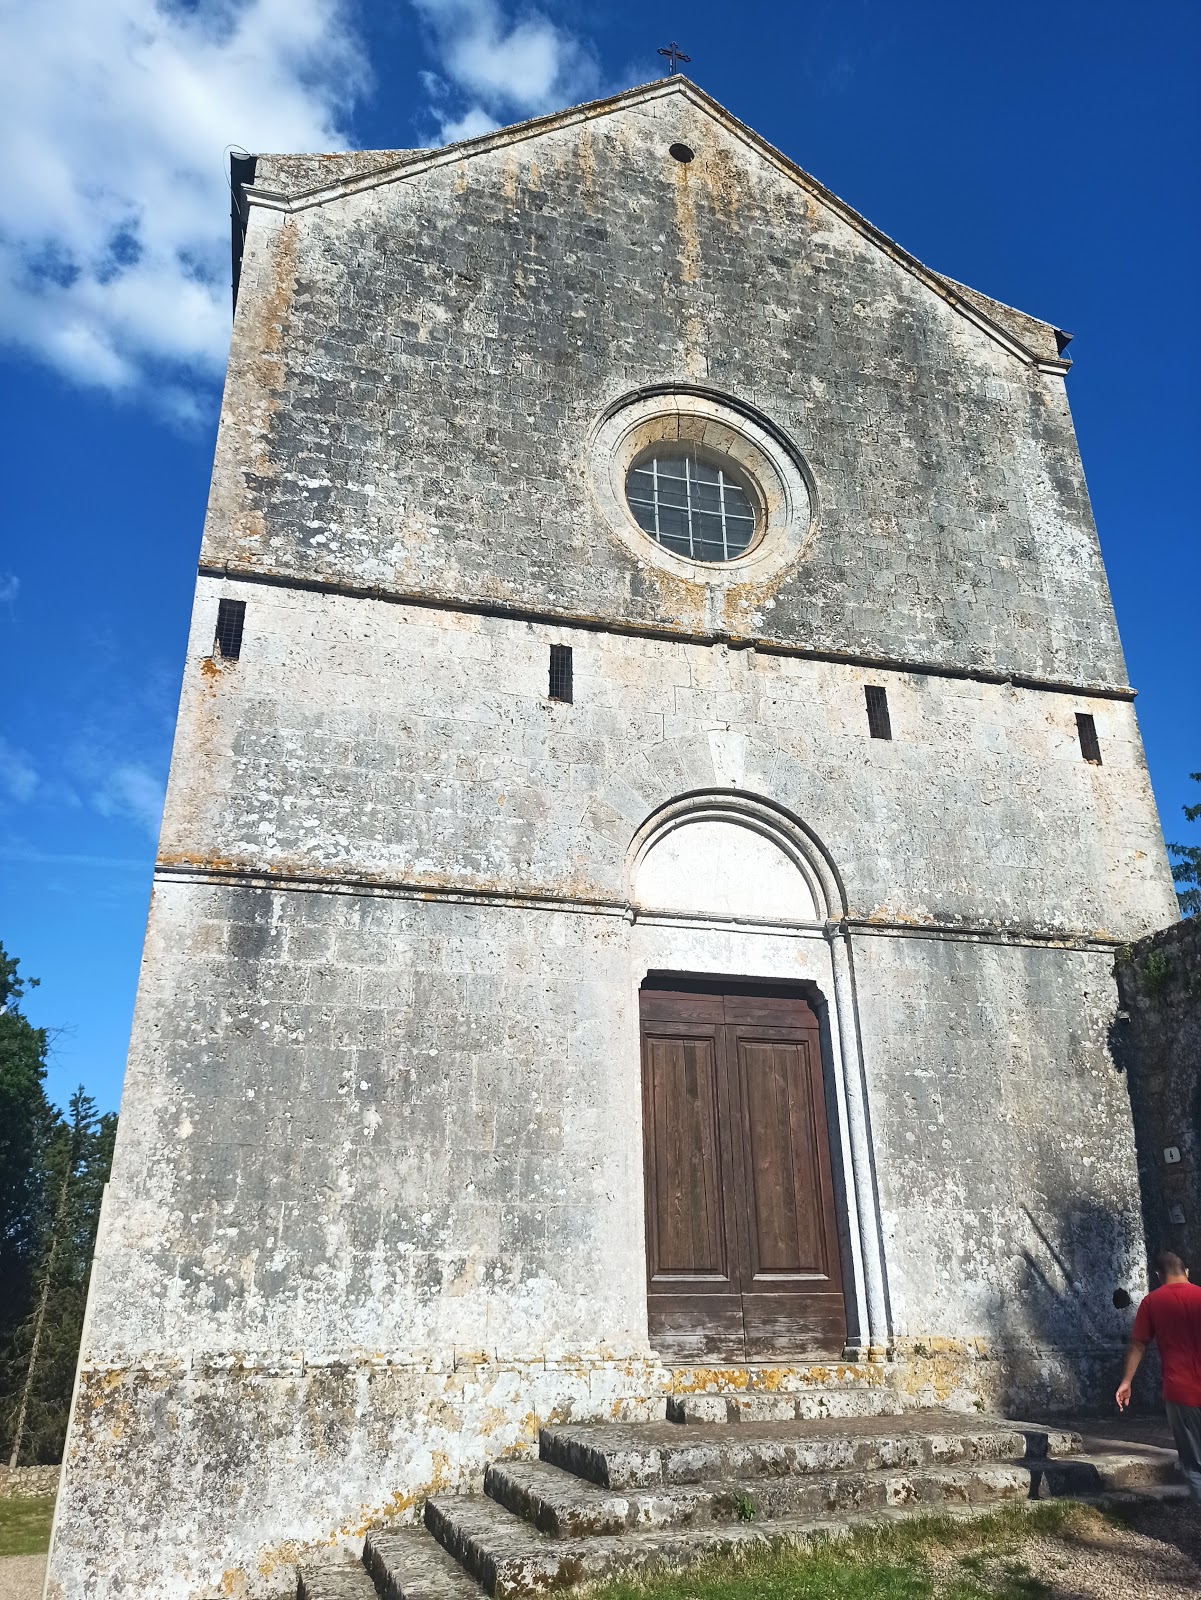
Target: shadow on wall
1066	1326
1156	1043
1075	1283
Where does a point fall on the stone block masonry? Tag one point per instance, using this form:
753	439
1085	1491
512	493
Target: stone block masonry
378	1209
1157	1040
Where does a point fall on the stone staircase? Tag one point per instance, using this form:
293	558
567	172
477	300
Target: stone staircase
724	1472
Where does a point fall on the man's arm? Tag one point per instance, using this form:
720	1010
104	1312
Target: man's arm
1134	1355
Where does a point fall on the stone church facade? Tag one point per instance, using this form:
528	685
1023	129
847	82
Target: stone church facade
655	799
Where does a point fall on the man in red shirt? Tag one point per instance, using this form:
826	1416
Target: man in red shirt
1171	1315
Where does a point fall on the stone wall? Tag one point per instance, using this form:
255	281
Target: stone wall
17	1483
1157	1039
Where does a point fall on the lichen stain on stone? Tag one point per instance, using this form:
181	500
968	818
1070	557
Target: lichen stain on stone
724	182
264	335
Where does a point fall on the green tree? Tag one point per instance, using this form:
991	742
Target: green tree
52	1176
46	1346
28	1123
1186	868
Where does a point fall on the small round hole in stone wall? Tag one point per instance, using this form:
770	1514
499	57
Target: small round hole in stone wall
1120	1299
681	152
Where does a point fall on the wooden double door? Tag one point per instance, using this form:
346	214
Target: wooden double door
742	1241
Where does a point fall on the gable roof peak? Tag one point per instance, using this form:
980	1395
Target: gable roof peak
1037	343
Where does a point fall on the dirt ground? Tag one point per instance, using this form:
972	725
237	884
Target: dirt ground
1152	1553
21	1577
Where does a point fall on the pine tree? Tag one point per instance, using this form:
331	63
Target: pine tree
52	1176
28	1124
1186	869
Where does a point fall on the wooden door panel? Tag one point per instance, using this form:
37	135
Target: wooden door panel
742	1251
785	1235
687	1209
695	1010
795	1325
767	1011
687	1328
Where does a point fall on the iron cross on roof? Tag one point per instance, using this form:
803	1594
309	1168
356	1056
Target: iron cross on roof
673	53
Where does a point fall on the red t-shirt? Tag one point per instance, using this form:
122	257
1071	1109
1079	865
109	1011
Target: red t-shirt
1171	1315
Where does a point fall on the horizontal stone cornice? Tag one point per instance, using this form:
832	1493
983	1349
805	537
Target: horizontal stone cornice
332	881
548	617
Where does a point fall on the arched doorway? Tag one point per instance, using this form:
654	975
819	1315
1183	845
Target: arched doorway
742	1232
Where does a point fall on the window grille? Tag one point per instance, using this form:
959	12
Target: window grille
1090	745
560	672
878	723
231	614
691	505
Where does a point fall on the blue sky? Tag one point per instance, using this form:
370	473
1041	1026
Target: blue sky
1043	153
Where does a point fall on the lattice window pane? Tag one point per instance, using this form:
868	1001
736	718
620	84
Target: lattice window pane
691	505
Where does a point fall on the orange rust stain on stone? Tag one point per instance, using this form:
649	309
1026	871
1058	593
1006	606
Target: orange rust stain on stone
773	1380
587	165
681	599
696	360
205	863
689	255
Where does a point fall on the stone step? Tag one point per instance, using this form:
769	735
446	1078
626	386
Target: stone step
344	1582
559	1504
784	1406
1158	1493
1088	1475
639	1455
407	1564
510	1558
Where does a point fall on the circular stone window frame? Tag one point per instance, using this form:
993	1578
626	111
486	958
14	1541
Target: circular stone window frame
782	488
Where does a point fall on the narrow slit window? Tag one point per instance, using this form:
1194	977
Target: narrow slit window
560	672
878	723
1090	747
231	614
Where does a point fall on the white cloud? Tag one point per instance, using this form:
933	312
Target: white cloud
28	855
471	125
504	69
10	587
18	775
114	116
132	791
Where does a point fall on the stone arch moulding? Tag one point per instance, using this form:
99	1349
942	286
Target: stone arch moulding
779	830
779	837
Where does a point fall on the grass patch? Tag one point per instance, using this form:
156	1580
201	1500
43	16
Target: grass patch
25	1525
927	1558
